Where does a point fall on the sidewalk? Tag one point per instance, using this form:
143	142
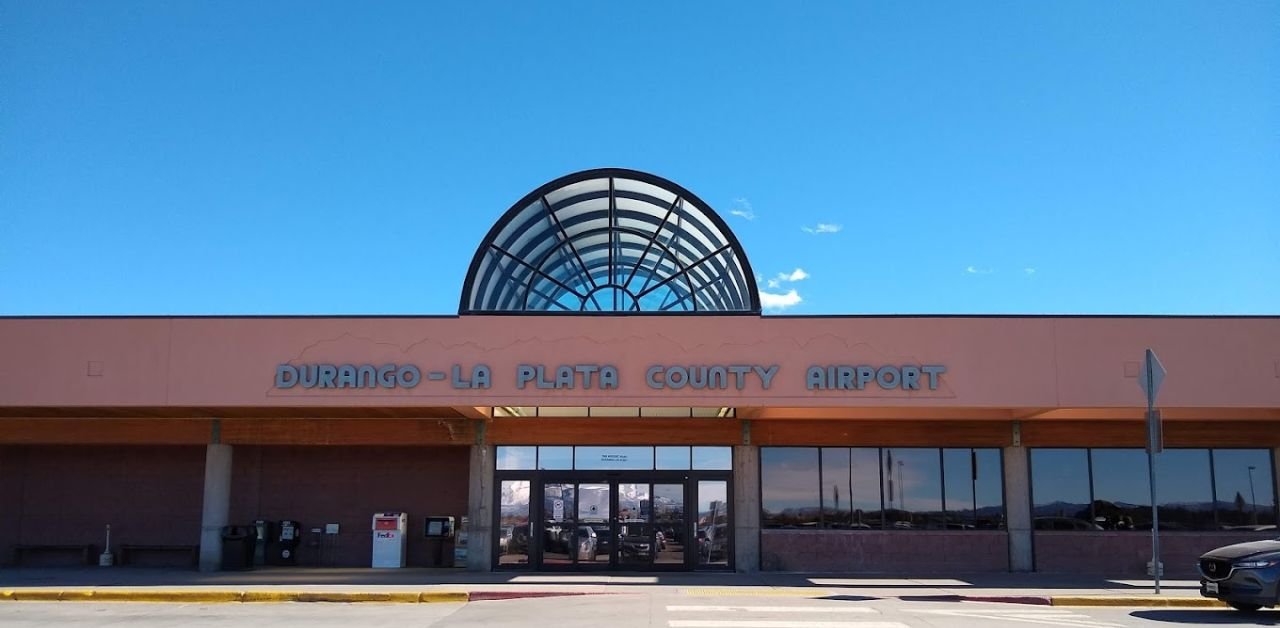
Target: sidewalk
280	584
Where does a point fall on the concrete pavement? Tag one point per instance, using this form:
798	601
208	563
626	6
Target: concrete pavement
281	584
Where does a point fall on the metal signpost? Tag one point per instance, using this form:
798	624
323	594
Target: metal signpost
1150	377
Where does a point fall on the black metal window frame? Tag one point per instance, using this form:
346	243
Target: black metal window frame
602	260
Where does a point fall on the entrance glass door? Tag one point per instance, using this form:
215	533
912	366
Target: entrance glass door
595	533
670	525
634	525
559	524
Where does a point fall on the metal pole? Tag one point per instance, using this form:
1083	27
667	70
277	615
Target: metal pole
1151	473
1253	497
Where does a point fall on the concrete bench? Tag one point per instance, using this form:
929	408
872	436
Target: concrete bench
128	550
22	551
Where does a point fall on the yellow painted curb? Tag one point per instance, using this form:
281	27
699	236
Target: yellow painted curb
37	596
1180	602
269	596
6	595
75	595
187	597
428	597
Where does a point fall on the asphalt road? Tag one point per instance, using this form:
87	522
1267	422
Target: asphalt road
669	609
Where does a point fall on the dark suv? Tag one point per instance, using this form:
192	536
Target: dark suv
1244	575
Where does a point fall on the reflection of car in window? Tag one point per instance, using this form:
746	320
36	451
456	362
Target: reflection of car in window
712	543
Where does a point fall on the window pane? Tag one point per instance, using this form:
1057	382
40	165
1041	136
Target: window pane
837	512
1246	496
1060	489
1184	489
555	457
789	486
513	517
957	465
516	458
713	458
913	488
990	490
864	466
613	458
1121	493
676	458
713	522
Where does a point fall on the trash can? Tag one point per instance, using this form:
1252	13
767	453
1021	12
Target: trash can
238	543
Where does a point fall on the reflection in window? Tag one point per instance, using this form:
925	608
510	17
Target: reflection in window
555	458
713	458
1185	490
674	458
513	523
1198	489
1246	497
713	523
789	487
974	483
1121	493
864	495
516	458
1060	489
837	512
913	488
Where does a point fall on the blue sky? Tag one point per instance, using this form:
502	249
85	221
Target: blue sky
347	158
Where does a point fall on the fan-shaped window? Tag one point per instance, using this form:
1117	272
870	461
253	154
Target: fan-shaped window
610	240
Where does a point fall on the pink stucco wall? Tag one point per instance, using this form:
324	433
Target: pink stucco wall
991	362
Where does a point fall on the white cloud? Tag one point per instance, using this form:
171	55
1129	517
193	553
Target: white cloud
742	209
823	227
1029	271
772	301
795	275
974	270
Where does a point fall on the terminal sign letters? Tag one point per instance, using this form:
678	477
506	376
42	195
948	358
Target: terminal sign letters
839	377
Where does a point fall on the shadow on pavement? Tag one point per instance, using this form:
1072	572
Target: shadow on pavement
1211	616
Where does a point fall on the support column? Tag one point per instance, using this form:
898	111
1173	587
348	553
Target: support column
480	506
746	507
1017	505
217	503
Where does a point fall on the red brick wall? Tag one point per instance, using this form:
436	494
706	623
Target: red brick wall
894	552
346	485
1127	553
68	494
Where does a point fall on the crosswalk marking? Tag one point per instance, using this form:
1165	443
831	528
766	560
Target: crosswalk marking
770	609
1050	617
769	623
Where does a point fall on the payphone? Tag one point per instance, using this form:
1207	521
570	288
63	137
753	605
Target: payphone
282	544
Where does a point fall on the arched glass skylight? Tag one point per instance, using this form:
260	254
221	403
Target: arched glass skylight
610	240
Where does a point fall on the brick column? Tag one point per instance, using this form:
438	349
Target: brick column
1017	505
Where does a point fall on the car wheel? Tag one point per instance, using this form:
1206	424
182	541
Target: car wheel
1241	606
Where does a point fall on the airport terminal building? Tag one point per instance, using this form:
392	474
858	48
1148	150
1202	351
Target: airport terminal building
609	397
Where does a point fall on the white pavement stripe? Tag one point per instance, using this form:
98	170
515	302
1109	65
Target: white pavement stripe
748	623
771	609
1026	616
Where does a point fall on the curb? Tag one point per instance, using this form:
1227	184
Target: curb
220	597
1125	600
